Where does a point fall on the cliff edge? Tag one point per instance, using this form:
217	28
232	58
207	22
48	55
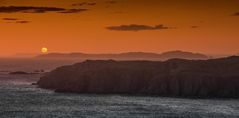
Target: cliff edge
175	77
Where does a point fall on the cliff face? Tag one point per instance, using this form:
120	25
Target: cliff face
185	78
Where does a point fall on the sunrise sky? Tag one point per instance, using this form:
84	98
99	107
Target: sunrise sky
114	26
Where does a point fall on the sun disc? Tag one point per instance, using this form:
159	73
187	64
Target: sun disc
44	50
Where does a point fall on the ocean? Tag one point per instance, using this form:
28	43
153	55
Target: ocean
20	99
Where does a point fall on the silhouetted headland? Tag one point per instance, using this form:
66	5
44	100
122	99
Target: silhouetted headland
175	77
129	55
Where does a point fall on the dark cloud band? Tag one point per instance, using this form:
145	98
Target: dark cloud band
30	9
135	27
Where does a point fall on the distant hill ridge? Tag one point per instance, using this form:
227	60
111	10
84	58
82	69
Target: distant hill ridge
130	55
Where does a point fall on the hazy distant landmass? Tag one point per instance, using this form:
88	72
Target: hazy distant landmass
129	55
26	73
175	77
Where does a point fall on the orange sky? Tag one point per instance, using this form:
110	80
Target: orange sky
216	30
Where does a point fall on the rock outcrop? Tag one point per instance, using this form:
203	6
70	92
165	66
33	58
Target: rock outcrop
176	77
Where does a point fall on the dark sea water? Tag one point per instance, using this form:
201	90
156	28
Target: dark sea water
20	99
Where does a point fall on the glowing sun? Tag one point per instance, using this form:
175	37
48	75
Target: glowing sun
44	50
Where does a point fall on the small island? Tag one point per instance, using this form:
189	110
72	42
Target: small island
213	78
19	73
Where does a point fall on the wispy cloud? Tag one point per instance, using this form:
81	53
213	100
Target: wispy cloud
236	14
136	27
10	19
84	3
73	10
111	2
194	26
22	22
15	20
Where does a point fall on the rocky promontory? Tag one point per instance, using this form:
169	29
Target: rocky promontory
175	77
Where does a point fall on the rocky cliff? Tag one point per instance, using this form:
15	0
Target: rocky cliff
176	77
